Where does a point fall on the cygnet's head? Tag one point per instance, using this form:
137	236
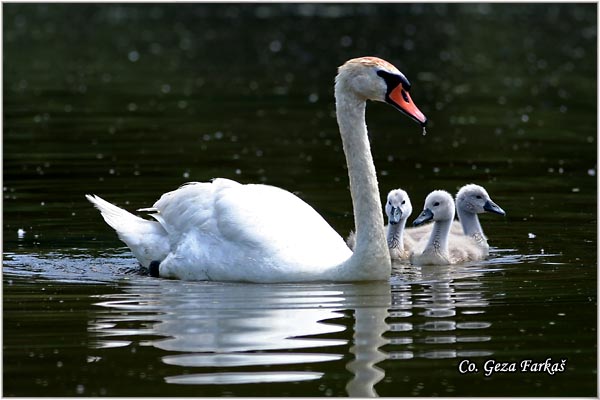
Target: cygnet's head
439	206
398	206
475	199
371	78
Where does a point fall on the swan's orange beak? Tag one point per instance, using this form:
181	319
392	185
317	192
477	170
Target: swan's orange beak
401	100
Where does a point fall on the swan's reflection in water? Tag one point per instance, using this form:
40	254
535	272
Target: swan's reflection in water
219	325
224	333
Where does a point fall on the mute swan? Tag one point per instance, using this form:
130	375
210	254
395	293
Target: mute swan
226	231
397	208
439	207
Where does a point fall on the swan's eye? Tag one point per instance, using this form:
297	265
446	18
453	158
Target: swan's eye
404	96
403	201
437	203
479	196
390	202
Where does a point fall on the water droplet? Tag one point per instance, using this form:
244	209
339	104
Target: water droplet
424	131
80	389
275	46
531	235
133	56
346	41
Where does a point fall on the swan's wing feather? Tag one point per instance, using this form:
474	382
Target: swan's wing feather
269	217
190	206
224	223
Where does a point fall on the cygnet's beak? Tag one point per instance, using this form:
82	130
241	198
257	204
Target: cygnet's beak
426	215
395	215
400	99
492	207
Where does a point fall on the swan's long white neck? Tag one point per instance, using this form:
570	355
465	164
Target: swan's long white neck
395	235
371	255
470	225
438	241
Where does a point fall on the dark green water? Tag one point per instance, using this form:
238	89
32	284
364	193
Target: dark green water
131	101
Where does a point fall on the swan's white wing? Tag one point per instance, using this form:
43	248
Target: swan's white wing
225	230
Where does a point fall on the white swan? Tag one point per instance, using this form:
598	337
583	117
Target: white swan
471	200
439	207
397	208
223	230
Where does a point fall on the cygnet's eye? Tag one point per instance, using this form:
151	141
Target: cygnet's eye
479	197
437	203
403	201
390	202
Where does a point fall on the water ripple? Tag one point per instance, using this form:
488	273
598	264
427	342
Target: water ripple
236	378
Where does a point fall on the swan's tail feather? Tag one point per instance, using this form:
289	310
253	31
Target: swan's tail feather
148	240
114	216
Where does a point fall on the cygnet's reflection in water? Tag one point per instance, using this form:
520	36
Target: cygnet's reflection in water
227	333
442	308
